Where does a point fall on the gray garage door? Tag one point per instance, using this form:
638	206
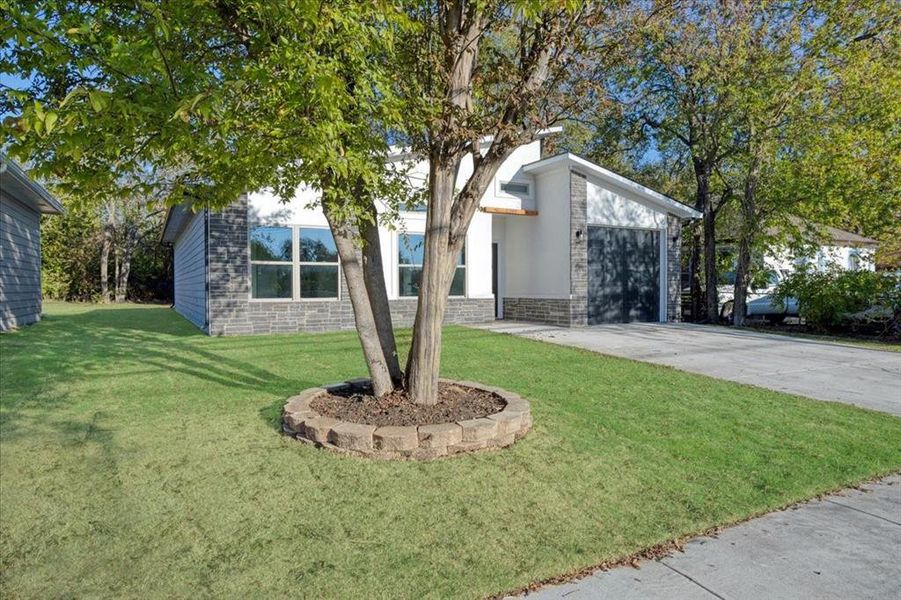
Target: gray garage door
623	275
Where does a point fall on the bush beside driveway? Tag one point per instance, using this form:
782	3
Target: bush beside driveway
141	458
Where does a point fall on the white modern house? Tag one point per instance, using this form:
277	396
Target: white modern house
557	240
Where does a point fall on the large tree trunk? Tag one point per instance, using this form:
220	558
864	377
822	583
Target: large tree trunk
710	280
367	330
123	270
424	360
742	278
694	278
106	247
704	203
746	237
374	279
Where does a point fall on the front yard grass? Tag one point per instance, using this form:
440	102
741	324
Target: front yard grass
871	343
143	459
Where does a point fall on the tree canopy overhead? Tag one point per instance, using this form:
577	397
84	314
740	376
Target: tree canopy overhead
230	92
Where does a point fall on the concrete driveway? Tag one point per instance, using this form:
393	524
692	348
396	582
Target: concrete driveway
825	371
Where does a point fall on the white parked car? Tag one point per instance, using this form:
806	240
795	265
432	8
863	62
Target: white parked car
760	302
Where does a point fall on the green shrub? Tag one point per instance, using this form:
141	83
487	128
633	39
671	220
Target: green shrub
833	299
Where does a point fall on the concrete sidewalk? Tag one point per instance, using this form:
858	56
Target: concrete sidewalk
846	546
821	370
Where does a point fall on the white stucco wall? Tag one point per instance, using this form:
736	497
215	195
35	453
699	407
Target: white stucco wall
536	248
608	205
266	208
510	170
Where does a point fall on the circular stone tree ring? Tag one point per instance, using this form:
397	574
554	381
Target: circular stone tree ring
420	442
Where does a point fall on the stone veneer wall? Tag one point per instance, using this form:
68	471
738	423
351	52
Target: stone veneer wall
553	311
673	268
233	313
578	249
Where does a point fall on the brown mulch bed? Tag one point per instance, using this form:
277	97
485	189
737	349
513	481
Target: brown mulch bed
455	403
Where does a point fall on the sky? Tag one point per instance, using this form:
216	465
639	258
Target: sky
12	81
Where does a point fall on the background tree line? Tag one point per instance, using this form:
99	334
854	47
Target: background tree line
758	112
105	251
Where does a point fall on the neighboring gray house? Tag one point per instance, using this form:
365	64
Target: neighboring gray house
22	201
558	240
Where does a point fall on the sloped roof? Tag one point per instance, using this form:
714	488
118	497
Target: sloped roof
176	218
568	159
20	186
827	233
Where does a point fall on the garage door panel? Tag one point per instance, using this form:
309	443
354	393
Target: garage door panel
643	272
623	275
604	285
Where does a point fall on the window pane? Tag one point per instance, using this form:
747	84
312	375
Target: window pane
458	285
461	260
410	249
515	187
318	281
317	245
271	281
271	243
409	280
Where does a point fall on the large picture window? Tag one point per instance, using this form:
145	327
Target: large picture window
271	262
275	263
409	266
318	264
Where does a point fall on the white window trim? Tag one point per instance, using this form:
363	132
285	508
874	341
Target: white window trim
397	266
299	264
295	263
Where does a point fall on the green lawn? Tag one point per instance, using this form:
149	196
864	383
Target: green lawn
143	459
841	340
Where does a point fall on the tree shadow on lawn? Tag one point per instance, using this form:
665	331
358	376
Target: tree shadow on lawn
46	361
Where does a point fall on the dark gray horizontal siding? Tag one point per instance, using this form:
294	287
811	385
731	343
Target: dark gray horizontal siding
189	251
20	263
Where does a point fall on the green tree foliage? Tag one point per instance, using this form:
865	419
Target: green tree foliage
70	254
842	167
236	95
838	299
71	247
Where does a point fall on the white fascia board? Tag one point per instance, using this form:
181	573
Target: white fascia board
25	189
396	153
572	161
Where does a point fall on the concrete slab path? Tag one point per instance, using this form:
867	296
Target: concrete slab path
821	370
846	546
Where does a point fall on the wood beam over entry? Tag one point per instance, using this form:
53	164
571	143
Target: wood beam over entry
509	211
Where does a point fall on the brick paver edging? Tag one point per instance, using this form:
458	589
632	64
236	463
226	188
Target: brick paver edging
499	430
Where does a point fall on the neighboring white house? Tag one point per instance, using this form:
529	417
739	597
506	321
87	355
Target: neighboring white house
829	247
557	240
820	247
